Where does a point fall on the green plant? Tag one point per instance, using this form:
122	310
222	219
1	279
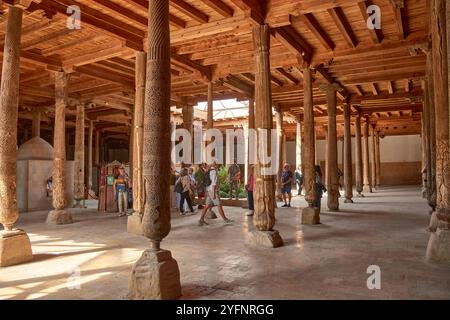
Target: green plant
224	186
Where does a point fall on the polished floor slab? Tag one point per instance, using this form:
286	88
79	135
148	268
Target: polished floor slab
92	258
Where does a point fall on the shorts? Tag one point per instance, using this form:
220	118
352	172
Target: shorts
210	201
286	189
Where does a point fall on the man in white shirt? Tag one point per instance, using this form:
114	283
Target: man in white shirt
212	196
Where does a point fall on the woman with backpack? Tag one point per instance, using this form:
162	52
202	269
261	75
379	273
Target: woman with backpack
212	195
184	188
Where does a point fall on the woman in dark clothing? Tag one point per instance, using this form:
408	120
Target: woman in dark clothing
319	187
186	184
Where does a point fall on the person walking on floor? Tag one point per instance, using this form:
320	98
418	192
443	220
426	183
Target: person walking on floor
234	177
199	177
286	189
249	188
212	195
319	188
299	179
186	184
121	187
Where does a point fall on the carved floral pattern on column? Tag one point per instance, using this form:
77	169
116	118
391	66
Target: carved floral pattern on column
264	186
9	100
156	158
59	161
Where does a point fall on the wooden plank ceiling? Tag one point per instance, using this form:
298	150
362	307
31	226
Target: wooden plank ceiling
381	70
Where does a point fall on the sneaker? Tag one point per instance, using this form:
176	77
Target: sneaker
284	206
121	214
202	223
228	221
289	205
182	213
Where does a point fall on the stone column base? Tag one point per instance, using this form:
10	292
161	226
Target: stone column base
438	249
59	217
310	216
155	276
134	224
268	239
211	214
434	222
15	248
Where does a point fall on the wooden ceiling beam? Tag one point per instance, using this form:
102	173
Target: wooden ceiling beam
399	6
375	34
220	7
238	85
190	11
318	31
133	36
289	77
390	87
358	90
204	71
343	25
294	43
374	89
252	8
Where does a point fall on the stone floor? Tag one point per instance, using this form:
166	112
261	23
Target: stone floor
328	261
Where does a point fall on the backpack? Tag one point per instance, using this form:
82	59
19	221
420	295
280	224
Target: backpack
207	180
178	187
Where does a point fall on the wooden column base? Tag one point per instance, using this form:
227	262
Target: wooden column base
438	249
310	216
15	248
155	276
59	217
268	239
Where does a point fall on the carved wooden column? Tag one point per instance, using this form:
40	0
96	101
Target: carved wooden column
79	184
429	101
310	214
438	249
373	163
348	174
210	125
280	136
251	126
298	144
425	156
367	185
264	185
59	215
90	153
210	111
14	244
358	160
332	151
377	159
97	148
134	223
156	275
36	122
